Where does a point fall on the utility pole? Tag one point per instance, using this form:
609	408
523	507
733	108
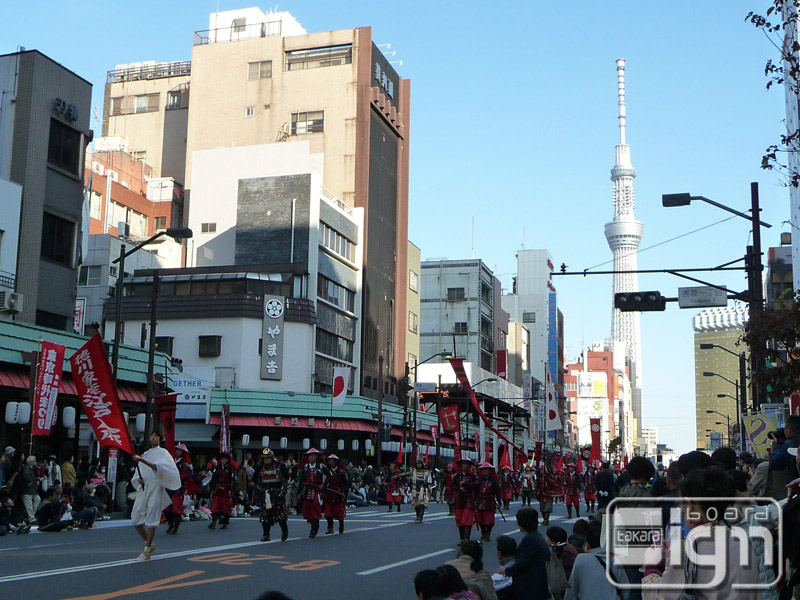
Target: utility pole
438	419
378	455
756	297
118	314
151	357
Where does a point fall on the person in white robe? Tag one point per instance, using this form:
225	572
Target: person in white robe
155	474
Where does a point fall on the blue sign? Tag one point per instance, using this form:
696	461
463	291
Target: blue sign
552	338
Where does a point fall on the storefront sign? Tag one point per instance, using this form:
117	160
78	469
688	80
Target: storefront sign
272	334
48	378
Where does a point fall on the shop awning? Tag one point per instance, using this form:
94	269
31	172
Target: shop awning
194	432
300	423
16	378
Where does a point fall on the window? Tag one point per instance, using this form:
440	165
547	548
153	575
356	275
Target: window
210	346
52	320
456	294
174	100
336	242
208	227
64	149
333	345
259	70
57	239
164	344
139	155
413	281
413	322
249	111
146	103
412	358
89	275
529	317
334	293
95	205
238	25
161	223
460	327
126	105
314	58
307	122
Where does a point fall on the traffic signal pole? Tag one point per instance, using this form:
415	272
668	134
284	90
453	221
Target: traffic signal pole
755	279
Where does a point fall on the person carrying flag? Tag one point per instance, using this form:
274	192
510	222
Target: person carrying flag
334	493
155	473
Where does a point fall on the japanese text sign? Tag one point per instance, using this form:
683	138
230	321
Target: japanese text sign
48	378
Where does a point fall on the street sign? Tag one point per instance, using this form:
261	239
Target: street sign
702	297
424	386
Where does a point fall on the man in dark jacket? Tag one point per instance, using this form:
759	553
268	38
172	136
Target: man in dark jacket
50	512
604	482
782	465
529	571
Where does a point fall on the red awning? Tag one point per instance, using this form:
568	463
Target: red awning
298	423
19	378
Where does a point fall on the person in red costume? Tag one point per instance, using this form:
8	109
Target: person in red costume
466	482
573	483
334	493
506	485
487	500
222	482
589	489
311	477
450	490
173	514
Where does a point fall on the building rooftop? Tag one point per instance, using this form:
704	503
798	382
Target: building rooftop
149	69
721	319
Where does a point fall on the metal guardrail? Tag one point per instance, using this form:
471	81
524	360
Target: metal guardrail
234	33
337	202
156	71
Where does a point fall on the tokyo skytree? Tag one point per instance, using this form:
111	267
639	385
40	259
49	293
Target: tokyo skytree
624	234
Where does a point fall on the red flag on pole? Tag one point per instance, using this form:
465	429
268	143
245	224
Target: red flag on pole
449	418
167	405
597	450
224	430
92	376
48	378
557	466
579	466
537	453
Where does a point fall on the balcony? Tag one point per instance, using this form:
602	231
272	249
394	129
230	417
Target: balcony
235	33
328	196
149	70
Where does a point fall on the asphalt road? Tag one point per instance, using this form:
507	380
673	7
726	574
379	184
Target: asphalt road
375	559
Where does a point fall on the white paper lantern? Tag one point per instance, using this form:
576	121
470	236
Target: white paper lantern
141	419
306	443
24	414
355	445
340	444
12	412
68	417
323	444
246	439
265	441
284	443
367	444
384	446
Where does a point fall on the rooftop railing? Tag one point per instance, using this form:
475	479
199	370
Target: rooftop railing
138	72
234	33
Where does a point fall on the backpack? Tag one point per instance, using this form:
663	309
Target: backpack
556	576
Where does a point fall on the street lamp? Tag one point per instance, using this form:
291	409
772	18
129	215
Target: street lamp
741	402
443	354
753	265
176	233
727	418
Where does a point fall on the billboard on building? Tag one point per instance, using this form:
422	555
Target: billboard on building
552	337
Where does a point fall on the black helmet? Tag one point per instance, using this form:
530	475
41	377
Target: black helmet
267	453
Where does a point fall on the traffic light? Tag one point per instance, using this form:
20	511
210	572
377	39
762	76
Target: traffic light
639	301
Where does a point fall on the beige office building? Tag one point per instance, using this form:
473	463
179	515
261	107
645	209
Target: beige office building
413	306
722	327
258	78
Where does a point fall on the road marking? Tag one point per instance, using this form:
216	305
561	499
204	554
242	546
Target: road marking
405	562
179	554
160	585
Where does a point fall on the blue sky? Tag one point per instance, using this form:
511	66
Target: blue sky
514	122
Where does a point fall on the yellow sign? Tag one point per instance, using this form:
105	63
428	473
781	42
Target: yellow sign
757	426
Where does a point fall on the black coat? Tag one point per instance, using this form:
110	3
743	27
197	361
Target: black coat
529	571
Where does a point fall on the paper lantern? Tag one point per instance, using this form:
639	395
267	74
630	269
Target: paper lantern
323	444
68	417
265	441
141	419
306	443
340	444
367	444
355	445
12	412
246	439
284	443
24	414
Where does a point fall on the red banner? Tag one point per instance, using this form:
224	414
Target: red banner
537	453
558	464
794	404
92	376
167	405
502	360
224	430
48	378
448	417
461	375
597	449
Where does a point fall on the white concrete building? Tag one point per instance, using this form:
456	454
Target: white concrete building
649	441
460	305
10	204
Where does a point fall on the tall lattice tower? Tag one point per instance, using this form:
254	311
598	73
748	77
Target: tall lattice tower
624	234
